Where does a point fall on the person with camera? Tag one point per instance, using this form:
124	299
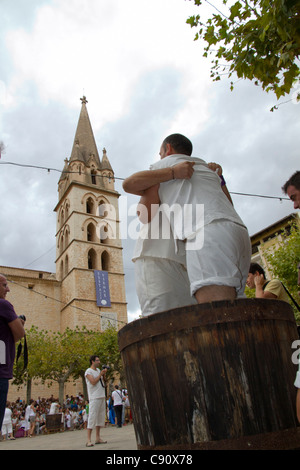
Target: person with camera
11	331
97	403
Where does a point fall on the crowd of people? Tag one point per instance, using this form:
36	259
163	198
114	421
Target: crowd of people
28	420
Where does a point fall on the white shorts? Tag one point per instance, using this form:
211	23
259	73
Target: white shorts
224	259
161	285
96	413
6	429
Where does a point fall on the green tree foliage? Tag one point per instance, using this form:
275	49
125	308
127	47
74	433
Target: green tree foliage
58	357
284	261
259	40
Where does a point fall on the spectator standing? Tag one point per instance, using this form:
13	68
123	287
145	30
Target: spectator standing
118	405
31	417
128	418
265	289
7	427
54	408
111	411
97	404
11	331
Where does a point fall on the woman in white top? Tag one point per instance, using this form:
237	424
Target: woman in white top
30	418
7	429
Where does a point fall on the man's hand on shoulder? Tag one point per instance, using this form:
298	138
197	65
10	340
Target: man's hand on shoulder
183	170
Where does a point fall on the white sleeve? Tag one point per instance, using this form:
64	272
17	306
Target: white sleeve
297	380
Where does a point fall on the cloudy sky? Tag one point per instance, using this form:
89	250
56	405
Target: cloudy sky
144	77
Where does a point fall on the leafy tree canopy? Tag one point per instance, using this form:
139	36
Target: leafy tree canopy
259	39
284	262
55	356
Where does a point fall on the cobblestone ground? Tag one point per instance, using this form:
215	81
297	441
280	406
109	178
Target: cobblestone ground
117	439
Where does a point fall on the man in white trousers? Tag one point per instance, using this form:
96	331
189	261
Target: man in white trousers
217	243
97	404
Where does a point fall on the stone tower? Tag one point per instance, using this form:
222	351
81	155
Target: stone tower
88	245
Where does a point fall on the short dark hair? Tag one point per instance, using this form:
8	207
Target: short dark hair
256	267
293	181
180	143
93	358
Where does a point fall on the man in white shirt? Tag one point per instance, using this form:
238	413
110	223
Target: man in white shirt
118	398
54	408
162	281
161	278
216	241
96	391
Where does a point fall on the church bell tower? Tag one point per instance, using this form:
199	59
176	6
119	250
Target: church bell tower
89	261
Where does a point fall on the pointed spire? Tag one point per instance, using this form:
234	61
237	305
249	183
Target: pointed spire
84	146
105	164
65	170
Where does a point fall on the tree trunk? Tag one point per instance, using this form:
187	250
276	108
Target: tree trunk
61	384
28	391
84	386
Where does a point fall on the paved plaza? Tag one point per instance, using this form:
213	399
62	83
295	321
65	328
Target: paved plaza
117	439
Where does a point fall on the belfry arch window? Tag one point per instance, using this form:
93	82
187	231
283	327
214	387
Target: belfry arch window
90	206
103	208
67	207
92	259
66	241
104	234
61	269
93	177
105	261
66	265
91	232
61	247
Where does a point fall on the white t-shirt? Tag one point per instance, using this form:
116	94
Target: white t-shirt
202	190
117	397
7	416
54	408
94	391
27	412
156	240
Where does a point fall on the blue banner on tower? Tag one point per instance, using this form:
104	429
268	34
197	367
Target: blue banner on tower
102	288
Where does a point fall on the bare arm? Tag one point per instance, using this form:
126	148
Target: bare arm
217	168
17	329
148	204
139	182
260	293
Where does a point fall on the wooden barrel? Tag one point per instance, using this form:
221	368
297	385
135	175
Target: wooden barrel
53	423
213	376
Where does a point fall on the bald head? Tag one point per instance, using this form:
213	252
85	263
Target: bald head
3	286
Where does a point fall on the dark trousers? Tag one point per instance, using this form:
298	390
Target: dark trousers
118	411
3	398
